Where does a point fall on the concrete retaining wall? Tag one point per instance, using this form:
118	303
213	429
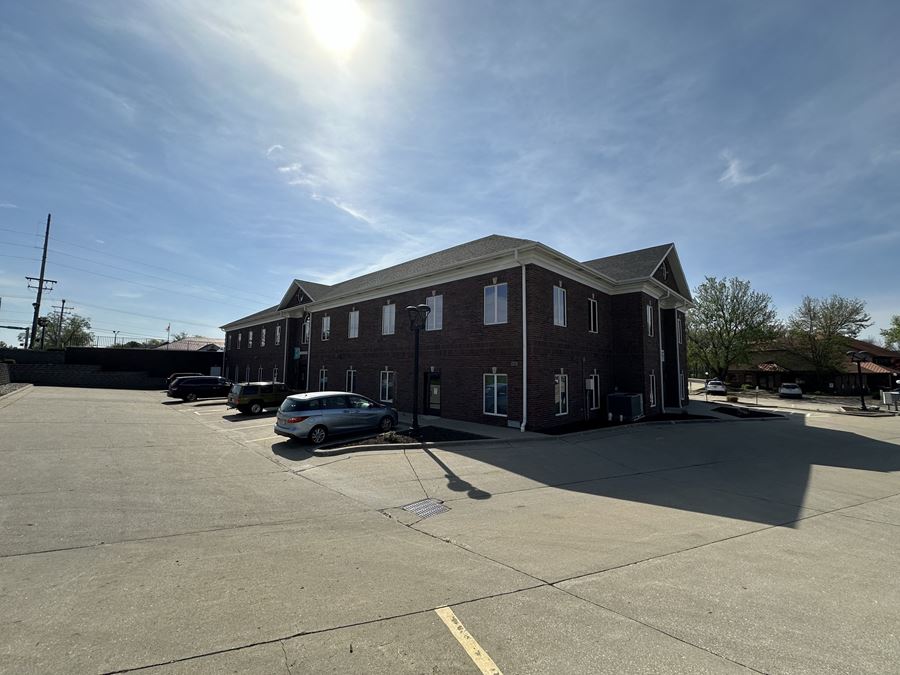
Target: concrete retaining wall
4	374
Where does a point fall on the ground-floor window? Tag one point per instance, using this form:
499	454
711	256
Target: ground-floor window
351	380
275	374
386	390
652	388
323	379
561	394
680	386
495	394
259	375
594	391
247	374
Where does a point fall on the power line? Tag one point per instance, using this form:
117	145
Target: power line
146	316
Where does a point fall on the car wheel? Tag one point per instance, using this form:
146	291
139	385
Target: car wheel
256	408
190	398
318	434
386	424
244	410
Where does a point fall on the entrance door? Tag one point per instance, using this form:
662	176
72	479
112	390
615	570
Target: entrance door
432	393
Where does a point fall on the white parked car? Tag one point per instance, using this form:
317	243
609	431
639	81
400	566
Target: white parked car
716	387
789	390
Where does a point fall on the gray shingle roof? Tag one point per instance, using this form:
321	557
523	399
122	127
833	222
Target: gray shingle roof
631	265
449	257
255	315
312	288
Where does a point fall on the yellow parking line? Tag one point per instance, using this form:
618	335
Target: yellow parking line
479	657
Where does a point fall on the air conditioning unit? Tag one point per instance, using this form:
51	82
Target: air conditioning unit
625	407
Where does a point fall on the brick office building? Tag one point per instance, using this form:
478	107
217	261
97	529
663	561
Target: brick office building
519	334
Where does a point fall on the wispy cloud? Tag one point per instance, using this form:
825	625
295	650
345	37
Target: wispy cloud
7	205
735	174
273	149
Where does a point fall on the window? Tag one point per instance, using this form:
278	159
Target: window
595	316
495	304
495	394
249	339
679	329
275	372
559	306
247	374
351	380
304	334
353	326
323	378
387	319
326	328
561	394
262	337
593	384
259	375
435	319
650	319
652	388
387	388
228	343
277	335
239	340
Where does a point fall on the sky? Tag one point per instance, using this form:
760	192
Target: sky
197	155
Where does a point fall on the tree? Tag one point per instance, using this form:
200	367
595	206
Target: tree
819	327
728	319
76	332
891	334
3	345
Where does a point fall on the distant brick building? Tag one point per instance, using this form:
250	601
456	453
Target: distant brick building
519	334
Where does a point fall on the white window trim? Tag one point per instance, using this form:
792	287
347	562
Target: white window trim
306	331
595	394
262	337
326	328
559	292
277	335
496	388
323	379
382	382
239	341
353	324
388	316
649	319
496	321
435	319
275	374
249	339
259	374
563	379
679	328
593	316
347	378
653	388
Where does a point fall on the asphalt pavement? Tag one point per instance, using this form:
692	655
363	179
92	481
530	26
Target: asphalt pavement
139	533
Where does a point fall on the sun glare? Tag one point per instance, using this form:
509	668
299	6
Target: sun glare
337	24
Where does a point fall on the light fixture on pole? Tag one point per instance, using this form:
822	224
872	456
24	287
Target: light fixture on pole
418	314
115	337
858	358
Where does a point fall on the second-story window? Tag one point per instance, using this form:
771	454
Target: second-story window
228	345
495	304
559	306
239	341
249	339
595	316
305	333
277	335
387	319
679	329
353	325
262	338
650	320
435	318
326	328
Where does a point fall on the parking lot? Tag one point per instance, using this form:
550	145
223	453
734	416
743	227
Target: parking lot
142	533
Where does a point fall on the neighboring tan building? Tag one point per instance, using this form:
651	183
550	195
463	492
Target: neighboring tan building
519	334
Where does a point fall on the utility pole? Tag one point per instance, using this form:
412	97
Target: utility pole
62	314
40	287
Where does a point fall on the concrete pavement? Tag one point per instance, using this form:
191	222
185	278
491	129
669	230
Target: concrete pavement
140	534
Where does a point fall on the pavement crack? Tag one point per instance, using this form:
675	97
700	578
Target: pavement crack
287	661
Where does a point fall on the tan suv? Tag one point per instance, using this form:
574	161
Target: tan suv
254	397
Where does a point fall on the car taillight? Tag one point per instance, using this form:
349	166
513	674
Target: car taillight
295	420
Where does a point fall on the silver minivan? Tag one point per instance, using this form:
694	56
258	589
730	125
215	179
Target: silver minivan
316	415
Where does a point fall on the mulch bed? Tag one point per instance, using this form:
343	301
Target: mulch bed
11	387
588	425
744	413
423	435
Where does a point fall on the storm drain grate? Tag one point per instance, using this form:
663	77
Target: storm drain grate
426	508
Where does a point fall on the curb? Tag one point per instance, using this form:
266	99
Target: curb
328	452
10	398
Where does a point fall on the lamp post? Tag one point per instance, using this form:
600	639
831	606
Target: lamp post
417	316
115	337
858	358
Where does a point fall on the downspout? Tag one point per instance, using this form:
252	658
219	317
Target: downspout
524	349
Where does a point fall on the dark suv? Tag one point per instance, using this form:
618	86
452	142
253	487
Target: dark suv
254	397
203	386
